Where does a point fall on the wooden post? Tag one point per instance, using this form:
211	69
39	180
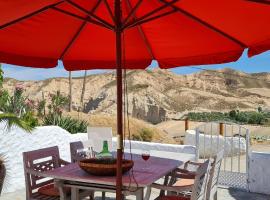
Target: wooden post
221	128
186	124
70	92
118	35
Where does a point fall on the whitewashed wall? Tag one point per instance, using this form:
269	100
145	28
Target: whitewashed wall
259	172
13	143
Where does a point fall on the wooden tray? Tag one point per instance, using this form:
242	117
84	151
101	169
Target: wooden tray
104	167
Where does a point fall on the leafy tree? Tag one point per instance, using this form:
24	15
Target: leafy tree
232	114
58	103
41	108
260	109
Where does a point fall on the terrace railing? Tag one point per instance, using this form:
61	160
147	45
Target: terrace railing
211	137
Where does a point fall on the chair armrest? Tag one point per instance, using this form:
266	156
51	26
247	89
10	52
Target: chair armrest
180	170
190	175
63	162
172	188
183	173
195	163
192	163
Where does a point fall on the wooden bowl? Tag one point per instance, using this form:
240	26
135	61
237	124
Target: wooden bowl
104	167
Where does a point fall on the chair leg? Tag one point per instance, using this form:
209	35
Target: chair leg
103	195
92	196
215	196
166	180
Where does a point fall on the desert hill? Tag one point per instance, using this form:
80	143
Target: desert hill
155	95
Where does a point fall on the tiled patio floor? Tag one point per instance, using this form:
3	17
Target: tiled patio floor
223	194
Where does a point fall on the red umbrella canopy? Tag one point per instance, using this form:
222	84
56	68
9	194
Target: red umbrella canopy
81	33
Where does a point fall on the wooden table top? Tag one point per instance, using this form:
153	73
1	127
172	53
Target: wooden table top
156	169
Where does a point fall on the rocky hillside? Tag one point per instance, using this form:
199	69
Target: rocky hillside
159	94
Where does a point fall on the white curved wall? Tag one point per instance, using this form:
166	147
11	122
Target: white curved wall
13	143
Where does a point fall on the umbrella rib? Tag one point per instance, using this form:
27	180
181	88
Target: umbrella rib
146	42
204	23
133	10
260	1
90	14
30	15
144	17
109	9
81	18
73	39
151	18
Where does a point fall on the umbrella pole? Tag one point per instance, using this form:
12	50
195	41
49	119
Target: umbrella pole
118	34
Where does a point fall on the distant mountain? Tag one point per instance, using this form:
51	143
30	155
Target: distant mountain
159	94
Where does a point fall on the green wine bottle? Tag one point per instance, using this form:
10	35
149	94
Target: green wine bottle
105	151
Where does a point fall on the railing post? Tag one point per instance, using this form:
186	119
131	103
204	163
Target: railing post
197	144
186	124
247	157
221	128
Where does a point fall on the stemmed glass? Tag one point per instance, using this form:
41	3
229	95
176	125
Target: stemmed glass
145	157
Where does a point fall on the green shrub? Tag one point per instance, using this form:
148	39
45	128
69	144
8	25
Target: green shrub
71	125
246	117
136	137
146	135
30	119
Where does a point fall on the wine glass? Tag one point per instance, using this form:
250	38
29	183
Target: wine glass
145	157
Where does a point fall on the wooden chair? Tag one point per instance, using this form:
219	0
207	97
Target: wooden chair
75	157
37	187
74	147
198	189
214	174
187	177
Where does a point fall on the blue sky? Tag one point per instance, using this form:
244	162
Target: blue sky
260	63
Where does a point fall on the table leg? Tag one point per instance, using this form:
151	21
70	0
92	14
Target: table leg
59	185
139	194
148	193
103	194
74	193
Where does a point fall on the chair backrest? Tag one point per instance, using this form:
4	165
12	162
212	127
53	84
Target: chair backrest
39	160
75	146
98	135
200	182
214	174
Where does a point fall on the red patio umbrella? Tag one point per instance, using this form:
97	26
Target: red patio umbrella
92	34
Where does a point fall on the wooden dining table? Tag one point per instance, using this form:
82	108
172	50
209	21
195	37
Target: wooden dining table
143	174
